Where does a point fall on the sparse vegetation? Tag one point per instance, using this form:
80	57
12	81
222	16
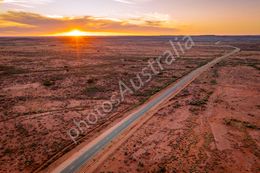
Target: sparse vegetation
140	164
161	169
10	70
176	105
48	83
22	129
72	84
7	151
90	81
213	82
254	65
198	102
240	124
93	90
28	162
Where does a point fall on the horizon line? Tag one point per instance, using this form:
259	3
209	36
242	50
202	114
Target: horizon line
219	35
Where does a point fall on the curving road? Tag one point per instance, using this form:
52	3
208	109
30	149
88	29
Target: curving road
84	156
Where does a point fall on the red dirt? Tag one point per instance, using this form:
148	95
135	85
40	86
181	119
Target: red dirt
212	126
46	83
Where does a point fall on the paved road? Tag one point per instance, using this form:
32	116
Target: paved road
76	164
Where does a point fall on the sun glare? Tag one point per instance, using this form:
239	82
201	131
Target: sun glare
75	33
79	33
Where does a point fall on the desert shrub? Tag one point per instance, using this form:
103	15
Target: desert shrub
8	70
93	90
7	151
28	162
140	164
238	123
198	102
256	66
89	81
213	82
20	128
48	83
161	169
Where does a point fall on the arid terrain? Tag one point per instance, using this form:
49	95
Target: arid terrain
211	126
48	83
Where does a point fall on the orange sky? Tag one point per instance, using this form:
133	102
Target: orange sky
129	17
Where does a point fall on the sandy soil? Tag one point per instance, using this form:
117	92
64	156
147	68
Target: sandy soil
46	83
212	126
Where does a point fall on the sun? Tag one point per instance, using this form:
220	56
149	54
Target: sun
75	33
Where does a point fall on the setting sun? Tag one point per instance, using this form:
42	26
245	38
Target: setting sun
75	33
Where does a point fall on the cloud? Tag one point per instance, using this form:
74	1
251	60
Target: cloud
125	1
131	1
24	23
151	19
25	3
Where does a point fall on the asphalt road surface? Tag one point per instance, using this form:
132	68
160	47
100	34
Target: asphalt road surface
86	156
